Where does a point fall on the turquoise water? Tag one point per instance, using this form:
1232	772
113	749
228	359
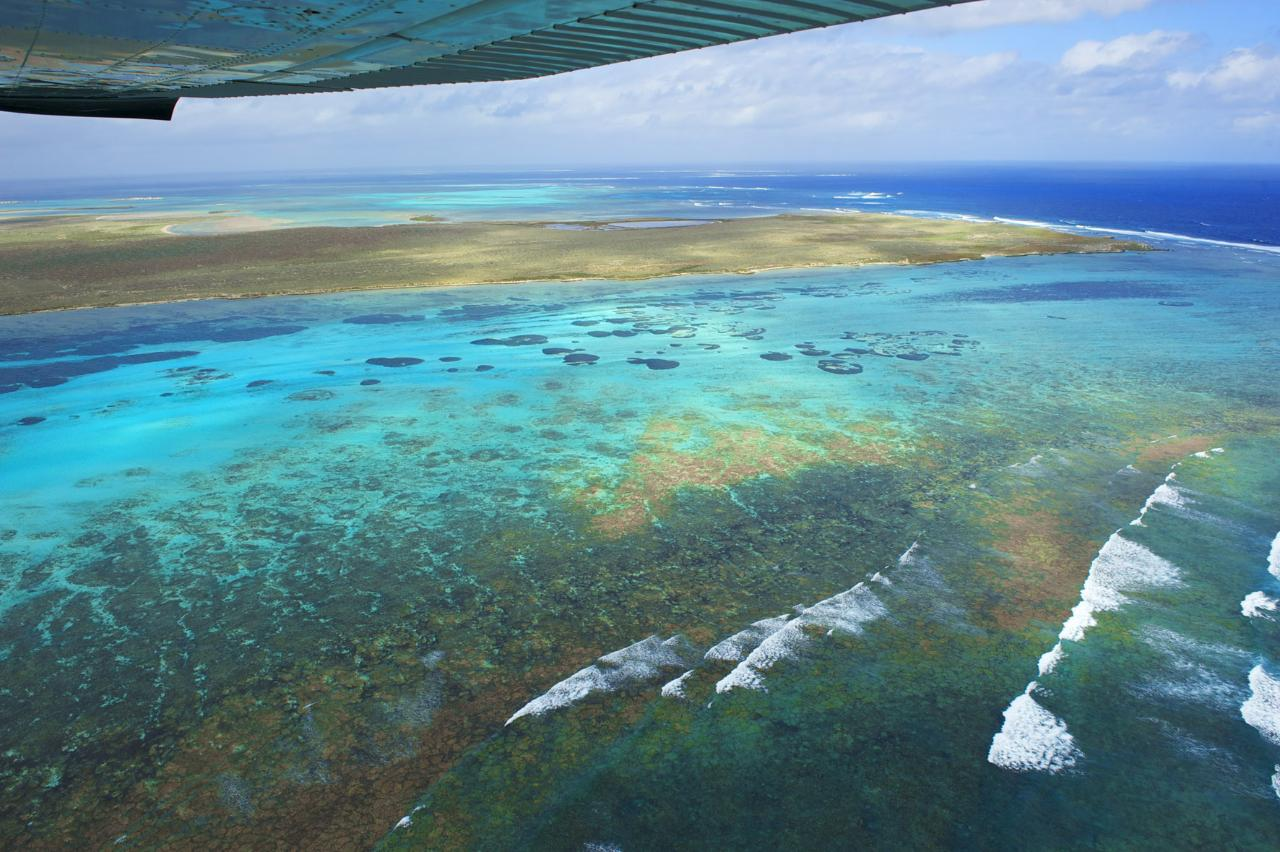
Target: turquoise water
283	569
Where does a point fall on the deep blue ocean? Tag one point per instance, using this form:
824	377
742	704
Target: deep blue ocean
1235	204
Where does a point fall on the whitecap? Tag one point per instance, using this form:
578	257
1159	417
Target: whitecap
846	612
745	641
1262	709
1121	565
1273	558
1049	659
1258	604
1032	739
644	661
675	688
1167	494
1184	238
1026	223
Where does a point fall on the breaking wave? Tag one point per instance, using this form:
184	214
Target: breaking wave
1258	604
846	612
1121	566
645	661
1262	708
1273	558
1032	739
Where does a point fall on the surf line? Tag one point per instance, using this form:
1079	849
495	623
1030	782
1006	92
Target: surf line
1259	604
1262	708
1033	739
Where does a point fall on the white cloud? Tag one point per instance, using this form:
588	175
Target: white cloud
999	13
1130	51
1262	123
822	96
1242	74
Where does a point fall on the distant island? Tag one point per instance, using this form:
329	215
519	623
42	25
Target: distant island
80	261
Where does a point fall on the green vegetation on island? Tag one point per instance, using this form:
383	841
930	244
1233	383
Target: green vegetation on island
51	263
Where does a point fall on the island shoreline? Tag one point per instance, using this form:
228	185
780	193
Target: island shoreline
82	263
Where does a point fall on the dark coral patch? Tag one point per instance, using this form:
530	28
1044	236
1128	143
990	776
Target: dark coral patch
369	382
483	368
776	356
1173	303
259	383
914	356
581	358
402	361
556	350
56	373
449	359
30	421
324	372
839	368
655	363
514	340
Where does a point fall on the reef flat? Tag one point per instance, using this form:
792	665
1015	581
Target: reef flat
77	261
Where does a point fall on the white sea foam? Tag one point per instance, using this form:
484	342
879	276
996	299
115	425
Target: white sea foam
407	820
1273	558
846	612
644	661
1026	223
766	642
1182	238
743	642
1258	604
1168	494
1120	566
675	688
865	195
1275	781
1049	659
1032	739
1262	709
1189	671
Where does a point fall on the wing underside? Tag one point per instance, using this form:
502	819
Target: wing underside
135	59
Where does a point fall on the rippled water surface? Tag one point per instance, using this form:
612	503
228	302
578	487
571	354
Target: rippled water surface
729	562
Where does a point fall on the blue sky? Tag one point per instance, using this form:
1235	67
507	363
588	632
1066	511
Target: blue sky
1034	80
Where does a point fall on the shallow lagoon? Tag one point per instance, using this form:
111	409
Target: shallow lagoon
292	586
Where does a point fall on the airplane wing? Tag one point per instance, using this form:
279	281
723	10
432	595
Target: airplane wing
135	58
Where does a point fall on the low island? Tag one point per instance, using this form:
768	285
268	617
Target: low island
62	262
